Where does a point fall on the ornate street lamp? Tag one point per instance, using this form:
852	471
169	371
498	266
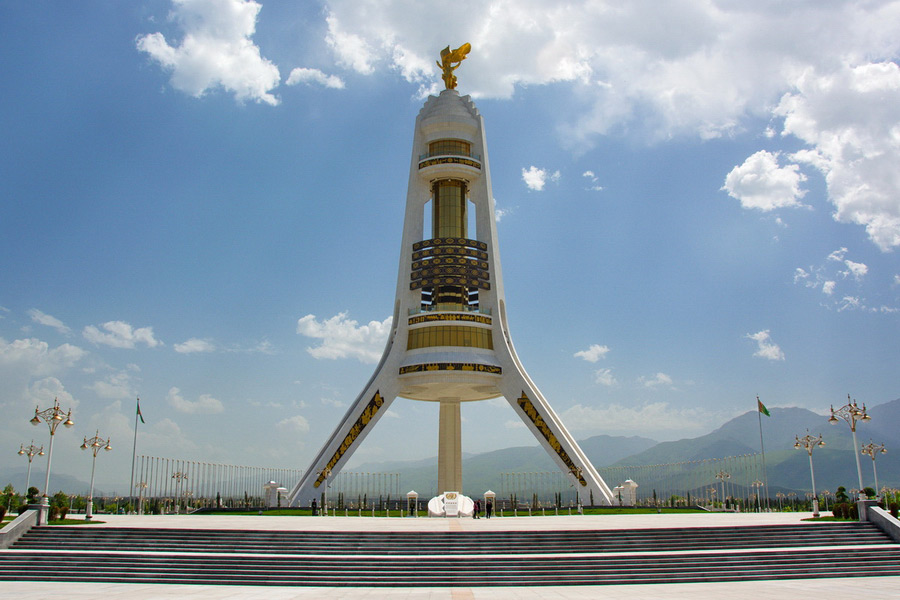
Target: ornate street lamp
758	484
95	444
851	413
30	451
809	442
142	487
52	416
722	476
872	450
179	477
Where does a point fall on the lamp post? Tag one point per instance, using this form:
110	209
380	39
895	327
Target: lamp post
142	487
758	484
30	451
871	450
95	444
722	476
179	477
52	416
809	442
851	413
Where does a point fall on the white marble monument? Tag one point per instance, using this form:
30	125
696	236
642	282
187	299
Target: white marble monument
450	342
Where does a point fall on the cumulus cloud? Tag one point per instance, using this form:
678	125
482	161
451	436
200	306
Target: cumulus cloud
342	337
660	379
605	377
839	278
761	184
44	392
295	424
45	319
119	334
672	67
766	348
216	50
593	354
308	76
35	357
536	178
850	119
205	404
116	386
593	179
195	345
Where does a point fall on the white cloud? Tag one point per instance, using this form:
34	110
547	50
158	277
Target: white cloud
35	357
761	184
834	275
695	68
342	337
216	50
205	404
195	345
307	76
536	178
119	334
660	379
117	386
44	392
595	187
295	424
45	319
850	119
333	402
766	348
593	354
605	377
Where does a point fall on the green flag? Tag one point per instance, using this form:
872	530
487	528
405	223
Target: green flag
762	407
142	416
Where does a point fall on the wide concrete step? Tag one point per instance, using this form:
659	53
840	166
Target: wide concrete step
77	538
445	571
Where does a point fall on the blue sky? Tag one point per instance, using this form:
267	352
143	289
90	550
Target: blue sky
202	203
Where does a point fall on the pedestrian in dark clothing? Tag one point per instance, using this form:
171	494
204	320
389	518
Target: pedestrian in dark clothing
489	508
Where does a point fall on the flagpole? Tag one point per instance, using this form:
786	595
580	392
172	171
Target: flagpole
137	413
763	448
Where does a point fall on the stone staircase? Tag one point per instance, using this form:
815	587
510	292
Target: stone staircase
440	559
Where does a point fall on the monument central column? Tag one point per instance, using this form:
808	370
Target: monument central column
449	446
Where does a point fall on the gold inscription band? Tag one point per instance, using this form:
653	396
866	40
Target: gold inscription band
542	426
363	420
450	160
451	367
449	317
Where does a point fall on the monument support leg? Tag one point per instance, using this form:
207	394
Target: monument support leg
359	420
547	427
449	447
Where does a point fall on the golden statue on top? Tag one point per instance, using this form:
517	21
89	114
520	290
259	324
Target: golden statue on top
448	58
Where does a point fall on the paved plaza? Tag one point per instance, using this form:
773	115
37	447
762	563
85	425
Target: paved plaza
872	588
